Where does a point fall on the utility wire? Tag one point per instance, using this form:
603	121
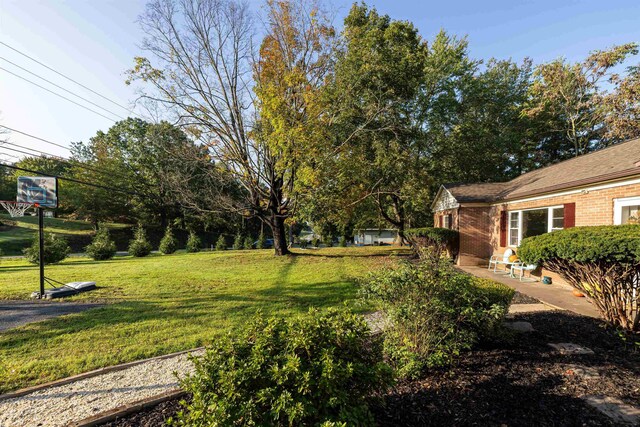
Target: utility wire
57	94
77	181
36	137
52	157
64	89
70	79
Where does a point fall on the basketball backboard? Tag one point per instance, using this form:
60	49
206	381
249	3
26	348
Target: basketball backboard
42	190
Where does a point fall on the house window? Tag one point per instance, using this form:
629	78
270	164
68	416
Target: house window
533	222
626	211
514	228
447	220
557	218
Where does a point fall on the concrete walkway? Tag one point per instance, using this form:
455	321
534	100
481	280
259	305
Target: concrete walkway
557	295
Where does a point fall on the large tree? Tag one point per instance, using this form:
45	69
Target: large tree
201	65
573	97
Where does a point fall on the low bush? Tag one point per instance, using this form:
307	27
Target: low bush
248	243
238	242
221	243
101	247
602	262
139	246
434	312
433	241
315	243
328	240
56	249
194	244
168	243
317	369
262	241
343	242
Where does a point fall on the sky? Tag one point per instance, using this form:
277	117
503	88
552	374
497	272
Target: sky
94	42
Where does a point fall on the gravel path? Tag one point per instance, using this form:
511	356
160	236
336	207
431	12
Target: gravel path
18	313
60	405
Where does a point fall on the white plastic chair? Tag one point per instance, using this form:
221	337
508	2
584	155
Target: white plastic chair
496	260
522	268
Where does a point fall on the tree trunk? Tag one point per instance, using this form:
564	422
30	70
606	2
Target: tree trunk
279	231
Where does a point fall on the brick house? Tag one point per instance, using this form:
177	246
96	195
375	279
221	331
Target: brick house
600	188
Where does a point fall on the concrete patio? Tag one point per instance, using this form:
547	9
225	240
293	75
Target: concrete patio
557	295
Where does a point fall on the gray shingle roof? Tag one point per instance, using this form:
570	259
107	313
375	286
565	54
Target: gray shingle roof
618	161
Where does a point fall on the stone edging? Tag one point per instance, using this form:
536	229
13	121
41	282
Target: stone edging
91	374
124	410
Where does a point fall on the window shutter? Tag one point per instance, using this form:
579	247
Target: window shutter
503	228
569	215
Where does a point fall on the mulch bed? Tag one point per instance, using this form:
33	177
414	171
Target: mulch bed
151	417
519	382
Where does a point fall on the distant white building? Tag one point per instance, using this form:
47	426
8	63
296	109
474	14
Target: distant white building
375	236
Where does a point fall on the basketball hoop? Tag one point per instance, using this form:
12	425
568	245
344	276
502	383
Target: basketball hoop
15	209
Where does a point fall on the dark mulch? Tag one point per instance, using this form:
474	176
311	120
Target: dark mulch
152	417
524	383
520	382
519	298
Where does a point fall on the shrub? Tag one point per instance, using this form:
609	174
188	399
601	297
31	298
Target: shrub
315	242
101	247
221	243
433	241
262	241
194	244
139	246
602	262
328	240
248	243
304	243
314	369
343	242
238	242
434	312
168	243
56	249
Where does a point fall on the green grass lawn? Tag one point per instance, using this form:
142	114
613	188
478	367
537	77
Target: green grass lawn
18	233
161	304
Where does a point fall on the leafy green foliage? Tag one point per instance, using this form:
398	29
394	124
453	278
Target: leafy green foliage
221	243
101	247
168	243
56	249
194	244
433	241
328	240
238	242
248	243
619	243
313	369
260	244
343	242
139	246
434	312
602	262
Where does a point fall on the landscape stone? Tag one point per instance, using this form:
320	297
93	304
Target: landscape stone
519	326
615	409
584	372
528	308
570	348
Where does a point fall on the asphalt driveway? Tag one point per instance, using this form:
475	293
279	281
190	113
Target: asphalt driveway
18	313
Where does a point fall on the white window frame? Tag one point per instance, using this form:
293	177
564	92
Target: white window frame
618	204
550	228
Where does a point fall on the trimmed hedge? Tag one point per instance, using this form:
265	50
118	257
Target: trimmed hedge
434	241
602	262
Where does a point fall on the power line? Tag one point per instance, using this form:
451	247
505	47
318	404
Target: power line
77	181
45	155
36	137
60	87
57	94
69	78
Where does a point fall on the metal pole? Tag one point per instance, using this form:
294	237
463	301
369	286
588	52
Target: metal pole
41	252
